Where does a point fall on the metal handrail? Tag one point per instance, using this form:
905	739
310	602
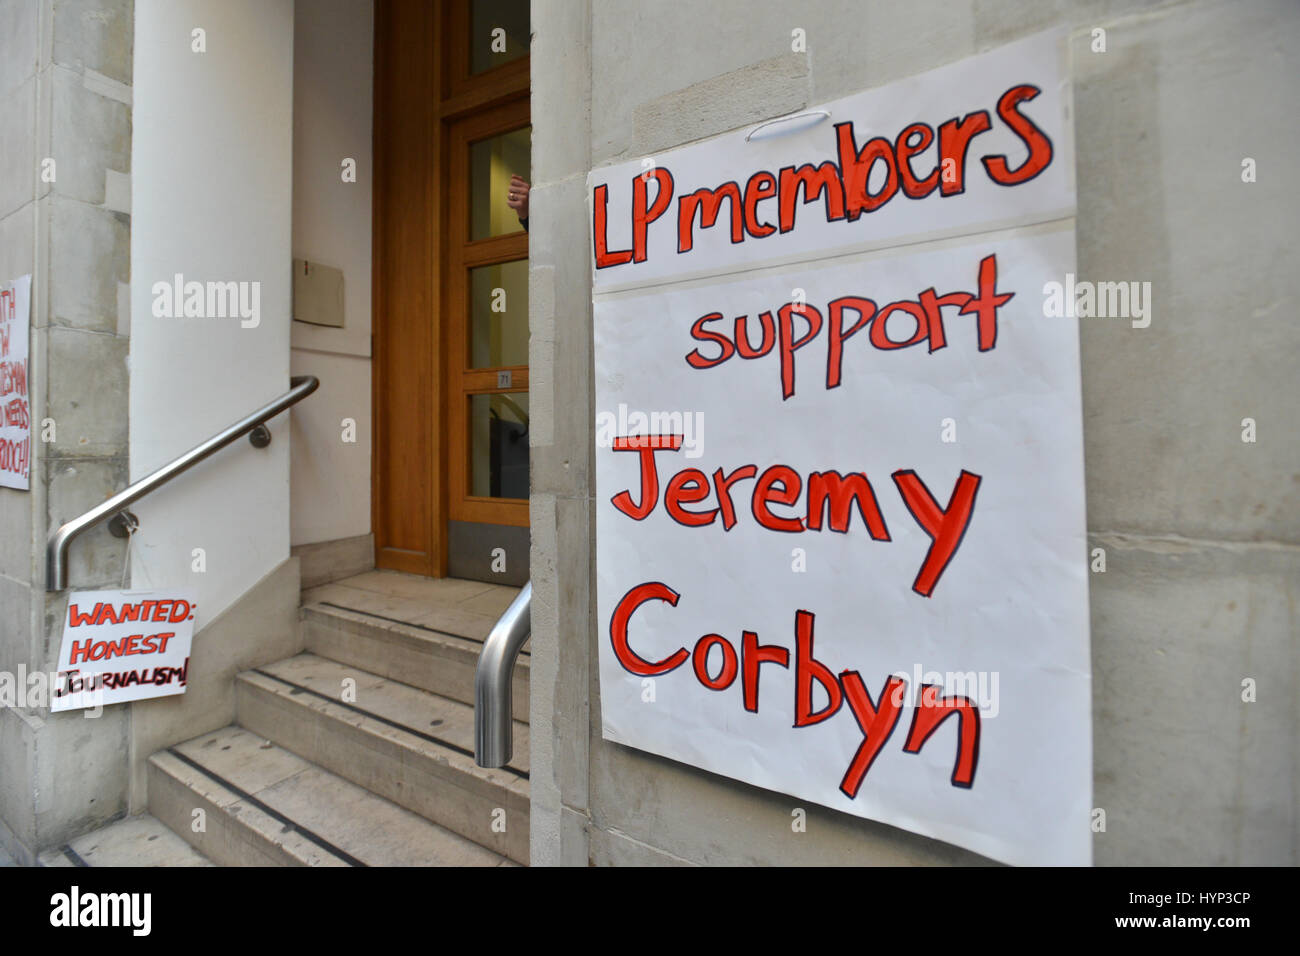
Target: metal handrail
56	551
494	727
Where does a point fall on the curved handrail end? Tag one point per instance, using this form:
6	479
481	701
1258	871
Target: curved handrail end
493	698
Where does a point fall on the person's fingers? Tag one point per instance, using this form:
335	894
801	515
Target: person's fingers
517	194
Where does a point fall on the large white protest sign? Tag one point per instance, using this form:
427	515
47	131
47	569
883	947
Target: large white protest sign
15	398
123	645
841	545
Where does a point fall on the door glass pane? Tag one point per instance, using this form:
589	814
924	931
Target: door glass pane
491	162
498	33
498	326
498	445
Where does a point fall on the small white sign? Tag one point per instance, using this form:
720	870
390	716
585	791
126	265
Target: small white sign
123	645
15	401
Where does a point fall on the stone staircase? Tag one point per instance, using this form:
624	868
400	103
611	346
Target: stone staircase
358	752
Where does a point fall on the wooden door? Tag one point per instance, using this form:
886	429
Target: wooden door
487	321
449	379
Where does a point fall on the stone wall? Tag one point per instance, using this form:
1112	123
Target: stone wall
1201	529
65	108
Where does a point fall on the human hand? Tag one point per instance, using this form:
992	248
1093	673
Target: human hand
517	196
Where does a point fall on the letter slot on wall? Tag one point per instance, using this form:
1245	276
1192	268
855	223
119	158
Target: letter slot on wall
317	294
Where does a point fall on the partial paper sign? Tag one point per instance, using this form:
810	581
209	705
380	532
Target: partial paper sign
15	398
980	144
124	645
841	548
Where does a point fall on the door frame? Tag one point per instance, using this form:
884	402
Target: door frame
422	75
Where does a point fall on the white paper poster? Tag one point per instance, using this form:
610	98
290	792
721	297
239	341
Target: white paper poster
123	645
841	547
15	400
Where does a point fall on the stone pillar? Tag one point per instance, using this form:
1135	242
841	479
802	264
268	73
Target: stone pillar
65	106
561	396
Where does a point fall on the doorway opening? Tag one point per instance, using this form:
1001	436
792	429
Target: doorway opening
451	410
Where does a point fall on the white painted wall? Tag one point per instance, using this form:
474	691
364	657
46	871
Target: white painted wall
333	70
212	167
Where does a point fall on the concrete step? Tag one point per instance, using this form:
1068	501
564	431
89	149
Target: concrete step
242	801
402	742
438	659
136	841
